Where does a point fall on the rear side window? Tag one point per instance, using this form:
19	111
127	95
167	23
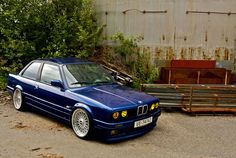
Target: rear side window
49	73
32	71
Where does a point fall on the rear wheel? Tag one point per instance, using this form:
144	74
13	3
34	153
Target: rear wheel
81	123
18	99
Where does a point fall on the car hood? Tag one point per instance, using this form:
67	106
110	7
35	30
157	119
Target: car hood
115	96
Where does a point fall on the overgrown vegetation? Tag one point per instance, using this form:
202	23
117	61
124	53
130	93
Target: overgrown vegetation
45	28
137	62
56	28
3	82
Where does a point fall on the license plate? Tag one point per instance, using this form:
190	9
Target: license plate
143	122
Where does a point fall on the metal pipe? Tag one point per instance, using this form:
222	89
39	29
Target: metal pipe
210	12
169	80
226	77
145	11
198	77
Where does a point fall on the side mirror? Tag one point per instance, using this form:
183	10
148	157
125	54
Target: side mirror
57	83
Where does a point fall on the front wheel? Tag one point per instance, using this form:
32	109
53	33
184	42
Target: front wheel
81	123
18	99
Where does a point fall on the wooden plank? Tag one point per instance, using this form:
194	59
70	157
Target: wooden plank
208	109
206	97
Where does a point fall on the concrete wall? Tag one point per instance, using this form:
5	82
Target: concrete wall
177	31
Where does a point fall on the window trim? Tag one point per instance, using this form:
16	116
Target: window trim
27	66
41	70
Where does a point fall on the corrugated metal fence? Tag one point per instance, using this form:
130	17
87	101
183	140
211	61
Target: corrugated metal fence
174	29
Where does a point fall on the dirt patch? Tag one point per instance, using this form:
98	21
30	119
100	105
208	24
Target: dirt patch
4	98
19	125
49	155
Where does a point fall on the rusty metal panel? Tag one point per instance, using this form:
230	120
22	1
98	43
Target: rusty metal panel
194	98
183	29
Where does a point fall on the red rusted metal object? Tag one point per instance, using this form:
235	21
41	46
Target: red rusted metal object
195	72
199	64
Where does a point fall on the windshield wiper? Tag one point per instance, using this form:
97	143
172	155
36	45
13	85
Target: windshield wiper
97	82
81	82
103	82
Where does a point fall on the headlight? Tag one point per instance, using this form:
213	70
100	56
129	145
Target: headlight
152	107
156	105
124	113
115	115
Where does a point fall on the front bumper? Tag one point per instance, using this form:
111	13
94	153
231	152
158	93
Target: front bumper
124	130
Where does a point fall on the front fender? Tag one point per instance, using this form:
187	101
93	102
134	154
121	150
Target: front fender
83	106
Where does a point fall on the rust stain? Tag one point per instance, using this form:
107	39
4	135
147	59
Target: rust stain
222	53
164	52
231	54
163	37
206	36
183	53
226	54
204	56
191	53
185	38
217	54
226	39
158	52
170	53
199	51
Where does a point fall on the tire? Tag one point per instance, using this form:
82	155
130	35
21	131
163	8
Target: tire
18	100
81	123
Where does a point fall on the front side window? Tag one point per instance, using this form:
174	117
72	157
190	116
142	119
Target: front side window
78	75
32	71
49	73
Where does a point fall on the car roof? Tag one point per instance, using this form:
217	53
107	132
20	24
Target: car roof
68	60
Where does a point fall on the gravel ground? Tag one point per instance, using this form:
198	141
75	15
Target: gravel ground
27	134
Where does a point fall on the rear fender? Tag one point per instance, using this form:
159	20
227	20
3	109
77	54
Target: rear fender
19	87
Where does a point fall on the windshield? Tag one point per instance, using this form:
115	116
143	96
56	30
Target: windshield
78	75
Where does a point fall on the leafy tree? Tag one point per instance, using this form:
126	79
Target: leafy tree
31	29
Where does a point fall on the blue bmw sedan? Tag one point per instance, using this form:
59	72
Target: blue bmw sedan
85	95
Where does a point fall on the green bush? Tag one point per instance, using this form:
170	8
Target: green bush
125	45
45	28
136	62
3	82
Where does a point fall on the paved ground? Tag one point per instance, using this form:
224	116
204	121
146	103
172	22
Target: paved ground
177	135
